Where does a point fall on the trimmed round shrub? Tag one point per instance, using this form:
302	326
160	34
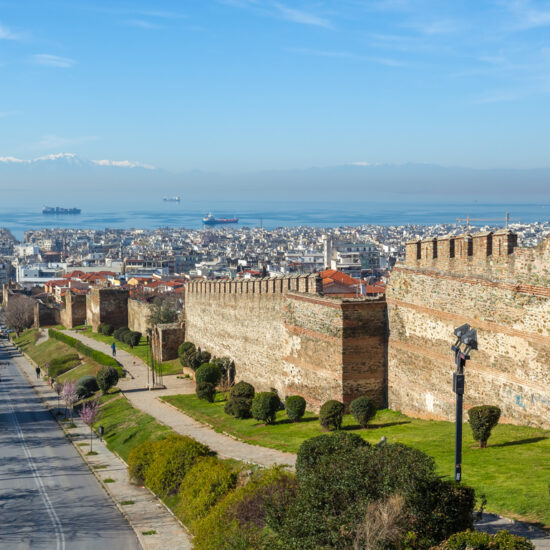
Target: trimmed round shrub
482	420
206	482
331	414
476	540
206	391
265	406
295	406
140	458
120	332
172	459
135	338
86	386
242	389
185	348
199	358
313	450
208	372
107	377
363	410
239	407
105	328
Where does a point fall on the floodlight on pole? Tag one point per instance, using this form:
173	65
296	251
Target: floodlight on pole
466	342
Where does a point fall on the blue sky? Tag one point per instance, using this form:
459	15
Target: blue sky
246	85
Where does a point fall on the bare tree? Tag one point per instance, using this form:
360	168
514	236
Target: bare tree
163	310
383	526
19	314
89	413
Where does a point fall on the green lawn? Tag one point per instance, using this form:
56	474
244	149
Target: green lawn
513	472
141	350
126	427
87	367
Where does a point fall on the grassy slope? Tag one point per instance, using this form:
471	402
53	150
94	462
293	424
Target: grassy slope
86	367
513	472
126	427
141	351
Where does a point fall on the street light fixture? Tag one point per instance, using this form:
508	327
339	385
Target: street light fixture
466	341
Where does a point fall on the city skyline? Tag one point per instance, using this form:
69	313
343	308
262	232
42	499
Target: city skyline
238	86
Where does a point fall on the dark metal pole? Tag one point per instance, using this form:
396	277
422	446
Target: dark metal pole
458	388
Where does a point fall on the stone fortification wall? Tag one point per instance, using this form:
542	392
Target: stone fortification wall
501	290
74	313
107	305
138	315
282	334
166	340
45	315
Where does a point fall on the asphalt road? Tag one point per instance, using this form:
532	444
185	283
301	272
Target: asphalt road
49	499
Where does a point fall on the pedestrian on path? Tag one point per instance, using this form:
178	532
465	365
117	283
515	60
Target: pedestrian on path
37	372
113	347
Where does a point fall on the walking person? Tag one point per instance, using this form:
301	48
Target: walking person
113	347
38	373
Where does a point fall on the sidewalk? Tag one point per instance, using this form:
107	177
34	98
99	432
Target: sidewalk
143	510
135	390
226	447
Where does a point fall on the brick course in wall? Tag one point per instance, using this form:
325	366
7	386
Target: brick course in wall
282	334
501	290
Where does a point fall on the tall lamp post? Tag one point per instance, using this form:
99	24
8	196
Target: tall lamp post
466	341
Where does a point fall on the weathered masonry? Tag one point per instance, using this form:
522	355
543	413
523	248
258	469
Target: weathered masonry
485	280
107	305
283	334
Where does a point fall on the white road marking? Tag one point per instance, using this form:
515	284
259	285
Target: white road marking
60	536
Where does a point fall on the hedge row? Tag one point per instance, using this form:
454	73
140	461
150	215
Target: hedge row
97	356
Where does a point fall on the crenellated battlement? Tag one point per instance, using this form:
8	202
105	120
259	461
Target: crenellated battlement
308	284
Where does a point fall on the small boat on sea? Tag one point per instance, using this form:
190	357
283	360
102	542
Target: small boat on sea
212	220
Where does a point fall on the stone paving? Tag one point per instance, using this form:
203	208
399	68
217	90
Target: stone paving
134	388
146	513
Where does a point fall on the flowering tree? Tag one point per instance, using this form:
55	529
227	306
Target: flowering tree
69	395
89	413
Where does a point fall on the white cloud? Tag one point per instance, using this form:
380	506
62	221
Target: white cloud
348	55
303	17
361	163
123	164
53	60
9	160
142	24
7	34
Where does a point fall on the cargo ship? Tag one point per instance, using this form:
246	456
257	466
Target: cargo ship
211	220
59	210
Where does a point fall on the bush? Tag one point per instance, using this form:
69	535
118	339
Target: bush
209	372
206	482
107	377
482	420
338	477
475	540
331	414
206	391
119	333
105	328
265	406
313	450
295	406
227	367
242	389
86	386
363	410
173	457
237	521
140	458
199	358
239	407
134	338
185	348
62	364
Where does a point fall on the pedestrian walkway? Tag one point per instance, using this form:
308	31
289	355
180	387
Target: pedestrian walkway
226	447
154	525
135	390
